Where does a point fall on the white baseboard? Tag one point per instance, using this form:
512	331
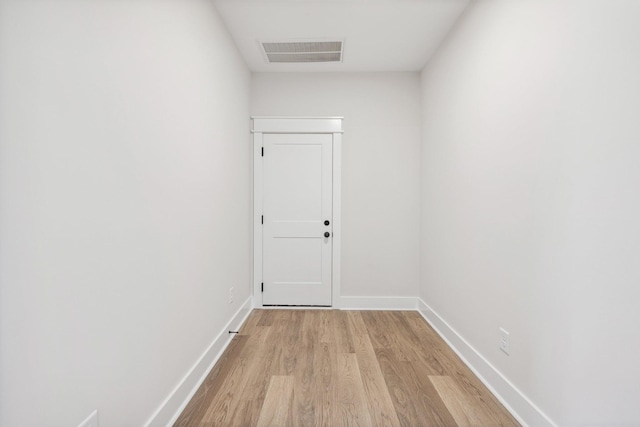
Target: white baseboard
523	409
174	404
378	303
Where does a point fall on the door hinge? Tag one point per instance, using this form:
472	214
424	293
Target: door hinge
262	287
262	220
262	152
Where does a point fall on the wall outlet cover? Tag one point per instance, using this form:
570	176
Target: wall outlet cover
504	342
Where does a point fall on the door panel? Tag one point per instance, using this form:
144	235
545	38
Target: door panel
297	197
295	259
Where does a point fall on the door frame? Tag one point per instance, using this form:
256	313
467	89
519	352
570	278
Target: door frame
261	125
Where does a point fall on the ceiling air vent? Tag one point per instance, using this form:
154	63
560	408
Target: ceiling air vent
308	51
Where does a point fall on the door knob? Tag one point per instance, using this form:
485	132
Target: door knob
326	222
327	234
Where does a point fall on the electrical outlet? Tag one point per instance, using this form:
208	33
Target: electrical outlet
91	421
231	295
504	341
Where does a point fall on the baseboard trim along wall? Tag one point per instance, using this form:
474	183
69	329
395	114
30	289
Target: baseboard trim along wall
523	409
378	303
174	404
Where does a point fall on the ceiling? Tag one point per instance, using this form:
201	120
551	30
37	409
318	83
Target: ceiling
378	35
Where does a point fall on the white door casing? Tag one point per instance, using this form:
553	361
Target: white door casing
296	189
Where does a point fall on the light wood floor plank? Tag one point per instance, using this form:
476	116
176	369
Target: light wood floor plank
256	387
468	409
351	407
306	410
325	366
443	359
379	323
401	394
290	339
378	399
276	410
342	332
326	326
457	402
247	413
223	409
265	317
426	397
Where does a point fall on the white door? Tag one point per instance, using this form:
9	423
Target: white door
297	219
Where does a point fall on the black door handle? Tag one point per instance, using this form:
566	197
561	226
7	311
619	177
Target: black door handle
326	222
327	234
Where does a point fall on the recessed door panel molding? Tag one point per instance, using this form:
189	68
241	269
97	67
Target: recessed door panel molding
296	211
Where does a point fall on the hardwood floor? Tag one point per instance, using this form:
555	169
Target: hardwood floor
341	368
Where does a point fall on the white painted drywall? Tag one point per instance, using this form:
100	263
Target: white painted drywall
380	167
530	179
124	203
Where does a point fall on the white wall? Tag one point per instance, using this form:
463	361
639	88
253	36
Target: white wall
125	203
380	167
530	173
